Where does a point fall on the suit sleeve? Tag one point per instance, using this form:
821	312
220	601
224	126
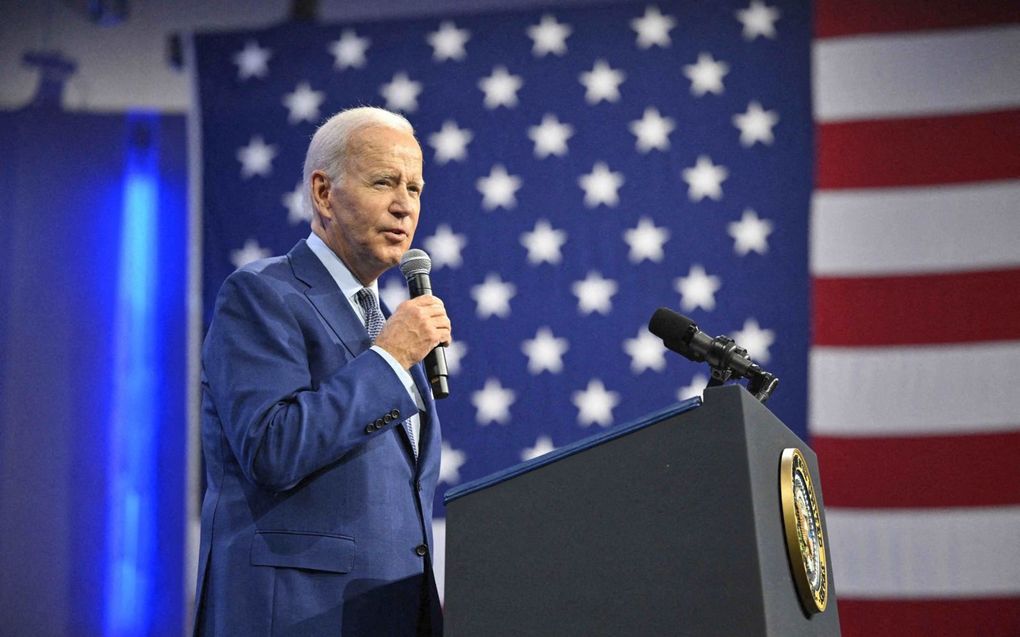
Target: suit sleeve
280	426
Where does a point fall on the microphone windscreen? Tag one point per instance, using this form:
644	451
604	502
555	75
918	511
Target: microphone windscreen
668	325
414	262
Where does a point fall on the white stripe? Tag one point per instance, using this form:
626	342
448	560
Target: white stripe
934	390
908	74
911	230
939	553
439	555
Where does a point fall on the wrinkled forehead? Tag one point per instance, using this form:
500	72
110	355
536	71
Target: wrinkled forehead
379	144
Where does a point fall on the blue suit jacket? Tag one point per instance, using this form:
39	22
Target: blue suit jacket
316	518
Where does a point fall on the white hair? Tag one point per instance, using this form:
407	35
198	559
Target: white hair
328	149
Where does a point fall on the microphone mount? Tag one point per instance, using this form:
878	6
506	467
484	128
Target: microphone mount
726	359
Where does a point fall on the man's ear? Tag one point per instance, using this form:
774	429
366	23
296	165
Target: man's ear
322	195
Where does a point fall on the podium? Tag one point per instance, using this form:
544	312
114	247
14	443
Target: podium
671	525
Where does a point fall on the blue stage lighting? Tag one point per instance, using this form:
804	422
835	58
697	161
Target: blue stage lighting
133	428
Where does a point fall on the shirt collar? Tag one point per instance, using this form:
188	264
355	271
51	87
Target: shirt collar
345	279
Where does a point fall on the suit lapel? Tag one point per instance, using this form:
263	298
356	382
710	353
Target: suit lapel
418	374
328	299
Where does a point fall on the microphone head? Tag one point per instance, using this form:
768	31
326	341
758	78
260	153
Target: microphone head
675	330
414	262
667	324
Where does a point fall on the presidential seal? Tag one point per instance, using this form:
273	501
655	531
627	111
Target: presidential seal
805	538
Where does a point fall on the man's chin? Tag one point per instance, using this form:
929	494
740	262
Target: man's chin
393	255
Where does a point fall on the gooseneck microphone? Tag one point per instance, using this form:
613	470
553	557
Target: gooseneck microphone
723	355
416	265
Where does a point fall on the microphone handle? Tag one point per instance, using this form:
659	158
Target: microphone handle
435	361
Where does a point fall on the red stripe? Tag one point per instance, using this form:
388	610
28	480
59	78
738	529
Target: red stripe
850	17
928	471
930	618
919	150
904	310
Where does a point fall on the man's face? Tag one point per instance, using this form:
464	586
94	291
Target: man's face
376	203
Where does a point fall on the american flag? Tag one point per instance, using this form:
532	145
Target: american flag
915	262
586	165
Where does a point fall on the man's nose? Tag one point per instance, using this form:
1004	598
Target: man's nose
403	202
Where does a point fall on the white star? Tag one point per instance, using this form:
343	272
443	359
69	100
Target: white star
698	384
646	352
550	136
545	352
451	460
543	445
500	88
498	189
492	402
653	28
444	247
303	103
706	76
758	19
401	93
750	233
755	125
549	36
455	351
697	289
601	186
251	251
448	42
602	83
544	243
646	241
450	142
594	294
595	404
493	296
256	158
705	179
393	292
755	340
294	202
652	130
349	50
252	60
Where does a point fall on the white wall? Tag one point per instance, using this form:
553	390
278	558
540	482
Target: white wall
126	66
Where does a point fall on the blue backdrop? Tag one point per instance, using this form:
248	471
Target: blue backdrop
92	373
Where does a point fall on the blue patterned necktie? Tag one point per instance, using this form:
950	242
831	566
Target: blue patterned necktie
374	320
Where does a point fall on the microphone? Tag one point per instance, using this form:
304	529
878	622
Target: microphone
724	356
416	265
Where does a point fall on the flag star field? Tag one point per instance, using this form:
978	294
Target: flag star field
583	167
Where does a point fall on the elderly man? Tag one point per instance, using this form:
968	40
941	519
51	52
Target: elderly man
319	429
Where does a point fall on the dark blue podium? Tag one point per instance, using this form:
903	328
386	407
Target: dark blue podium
671	525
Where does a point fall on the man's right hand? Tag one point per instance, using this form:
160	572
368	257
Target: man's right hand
414	329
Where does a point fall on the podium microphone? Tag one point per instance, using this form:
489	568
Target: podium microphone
416	265
725	358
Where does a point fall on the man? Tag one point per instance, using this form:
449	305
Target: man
322	446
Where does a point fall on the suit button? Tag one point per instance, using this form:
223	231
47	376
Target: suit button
387	418
421	550
370	428
379	423
395	413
